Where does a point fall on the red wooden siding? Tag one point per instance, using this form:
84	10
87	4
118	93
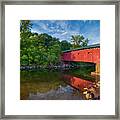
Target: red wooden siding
84	55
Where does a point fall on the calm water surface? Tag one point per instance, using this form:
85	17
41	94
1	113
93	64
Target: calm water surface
54	85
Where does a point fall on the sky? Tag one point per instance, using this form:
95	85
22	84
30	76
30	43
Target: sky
64	29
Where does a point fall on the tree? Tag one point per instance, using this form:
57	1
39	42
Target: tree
78	41
37	49
65	45
84	42
25	27
25	33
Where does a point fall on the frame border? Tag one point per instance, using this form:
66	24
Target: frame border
62	2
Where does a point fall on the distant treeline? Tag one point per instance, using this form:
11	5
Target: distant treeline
43	49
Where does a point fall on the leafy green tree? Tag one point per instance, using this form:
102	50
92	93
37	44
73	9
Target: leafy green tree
25	33
65	45
78	41
84	42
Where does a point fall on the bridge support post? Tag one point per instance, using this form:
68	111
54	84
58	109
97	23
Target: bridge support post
97	69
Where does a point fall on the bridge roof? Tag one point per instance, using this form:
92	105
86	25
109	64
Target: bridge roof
87	47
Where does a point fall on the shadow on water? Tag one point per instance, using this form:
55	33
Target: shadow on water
55	85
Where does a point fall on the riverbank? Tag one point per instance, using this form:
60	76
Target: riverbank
65	66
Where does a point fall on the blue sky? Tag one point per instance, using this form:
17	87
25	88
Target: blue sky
64	29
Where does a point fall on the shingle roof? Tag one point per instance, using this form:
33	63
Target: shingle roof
87	47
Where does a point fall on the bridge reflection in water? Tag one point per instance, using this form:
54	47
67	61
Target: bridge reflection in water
90	90
57	86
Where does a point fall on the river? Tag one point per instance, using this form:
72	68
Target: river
59	85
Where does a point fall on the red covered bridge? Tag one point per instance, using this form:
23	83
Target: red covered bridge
85	54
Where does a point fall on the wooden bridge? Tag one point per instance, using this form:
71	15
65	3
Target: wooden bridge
85	54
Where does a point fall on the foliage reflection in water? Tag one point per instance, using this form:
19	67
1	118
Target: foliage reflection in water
54	85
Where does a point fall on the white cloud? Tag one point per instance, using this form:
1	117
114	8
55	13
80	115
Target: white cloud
64	33
44	26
